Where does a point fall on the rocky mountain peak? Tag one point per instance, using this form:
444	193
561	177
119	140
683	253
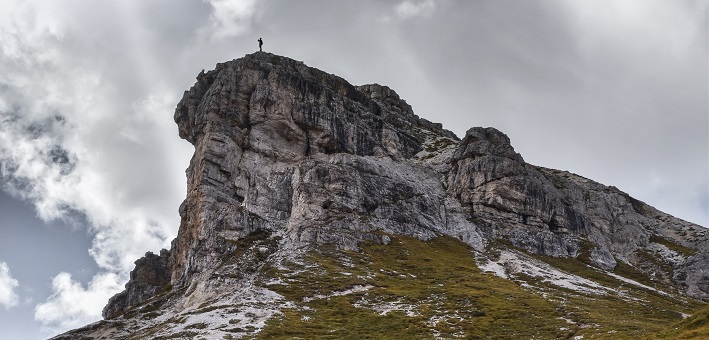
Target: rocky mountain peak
264	93
290	160
284	147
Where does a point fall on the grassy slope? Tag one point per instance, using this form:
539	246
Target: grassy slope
693	327
435	288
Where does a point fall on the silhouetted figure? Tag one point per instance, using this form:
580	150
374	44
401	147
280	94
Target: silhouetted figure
260	43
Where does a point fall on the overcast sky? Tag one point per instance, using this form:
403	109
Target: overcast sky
92	168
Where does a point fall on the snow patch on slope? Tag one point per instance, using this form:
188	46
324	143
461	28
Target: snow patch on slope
636	283
354	289
513	263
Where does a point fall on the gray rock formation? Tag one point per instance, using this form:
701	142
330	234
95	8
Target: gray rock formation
556	213
150	276
287	148
309	159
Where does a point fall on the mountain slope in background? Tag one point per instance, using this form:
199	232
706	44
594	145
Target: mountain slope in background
319	209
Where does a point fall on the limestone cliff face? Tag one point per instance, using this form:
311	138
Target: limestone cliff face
302	155
557	213
150	276
287	148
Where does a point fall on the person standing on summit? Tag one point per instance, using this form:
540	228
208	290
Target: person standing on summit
260	43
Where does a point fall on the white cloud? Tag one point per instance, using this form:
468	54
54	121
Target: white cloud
85	129
659	28
108	169
8	297
229	18
410	8
71	305
77	136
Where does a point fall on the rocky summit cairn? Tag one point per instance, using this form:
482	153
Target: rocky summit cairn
289	160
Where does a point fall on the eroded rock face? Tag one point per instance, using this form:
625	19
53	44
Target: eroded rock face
150	276
556	213
301	154
511	199
287	148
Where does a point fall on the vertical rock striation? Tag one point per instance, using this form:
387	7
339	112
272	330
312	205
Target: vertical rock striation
290	149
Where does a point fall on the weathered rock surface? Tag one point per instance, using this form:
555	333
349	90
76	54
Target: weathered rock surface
308	159
556	213
150	276
286	148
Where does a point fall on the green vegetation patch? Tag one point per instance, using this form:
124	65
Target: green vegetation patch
629	311
418	290
206	308
693	327
685	251
179	335
411	289
440	144
200	325
150	308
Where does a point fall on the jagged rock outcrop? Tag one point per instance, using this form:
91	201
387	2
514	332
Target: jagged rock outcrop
557	213
310	159
287	148
150	276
